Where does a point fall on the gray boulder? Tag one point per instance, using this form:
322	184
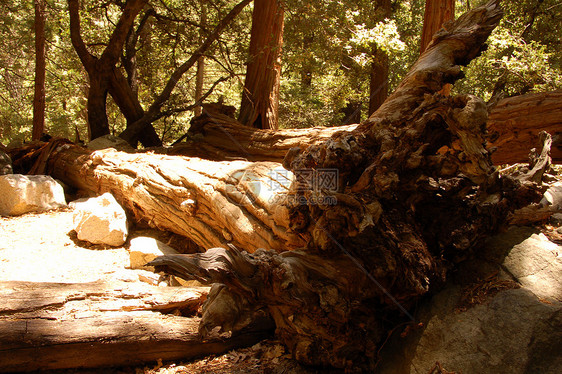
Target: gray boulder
536	264
516	331
501	336
5	163
29	193
110	141
100	220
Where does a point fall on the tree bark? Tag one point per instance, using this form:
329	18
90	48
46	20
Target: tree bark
515	123
513	126
100	69
260	98
200	75
39	97
219	137
356	228
98	123
45	326
378	87
437	12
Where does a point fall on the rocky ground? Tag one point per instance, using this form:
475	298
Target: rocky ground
43	248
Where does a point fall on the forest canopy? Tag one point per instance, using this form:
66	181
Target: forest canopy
326	59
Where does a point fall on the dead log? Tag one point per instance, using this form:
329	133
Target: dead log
211	203
515	123
219	137
57	325
373	217
513	128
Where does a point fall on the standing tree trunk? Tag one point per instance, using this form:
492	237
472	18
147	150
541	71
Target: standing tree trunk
378	87
39	97
154	112
98	123
200	76
437	12
100	70
260	98
124	91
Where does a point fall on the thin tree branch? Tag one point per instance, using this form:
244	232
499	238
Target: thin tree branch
111	54
154	110
85	56
177	74
170	112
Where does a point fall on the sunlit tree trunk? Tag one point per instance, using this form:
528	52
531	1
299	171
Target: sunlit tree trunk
260	99
378	90
437	12
200	76
39	98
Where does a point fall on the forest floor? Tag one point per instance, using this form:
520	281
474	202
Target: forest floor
42	247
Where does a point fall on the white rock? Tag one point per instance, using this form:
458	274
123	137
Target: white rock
100	220
29	193
536	263
553	197
144	249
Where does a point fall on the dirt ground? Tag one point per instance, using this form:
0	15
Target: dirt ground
43	248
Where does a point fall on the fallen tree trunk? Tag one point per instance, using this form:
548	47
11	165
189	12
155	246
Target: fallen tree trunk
218	137
513	129
373	217
61	325
515	123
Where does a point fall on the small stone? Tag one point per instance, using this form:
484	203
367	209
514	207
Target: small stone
144	249
100	220
553	197
5	163
556	218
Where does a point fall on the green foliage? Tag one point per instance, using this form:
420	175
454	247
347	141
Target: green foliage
326	61
524	53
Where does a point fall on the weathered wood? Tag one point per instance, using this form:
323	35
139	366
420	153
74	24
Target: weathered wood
55	326
211	203
414	190
513	126
515	123
219	137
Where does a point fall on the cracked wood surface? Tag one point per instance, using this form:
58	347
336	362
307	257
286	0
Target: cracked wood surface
72	325
515	123
211	203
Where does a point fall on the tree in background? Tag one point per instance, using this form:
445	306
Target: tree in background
105	77
327	59
200	75
260	98
101	69
378	87
437	12
524	53
39	97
